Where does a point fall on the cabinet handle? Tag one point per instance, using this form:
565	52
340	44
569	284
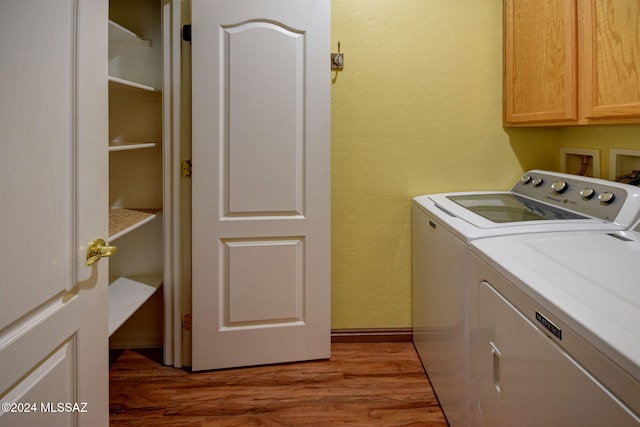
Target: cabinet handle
97	249
496	358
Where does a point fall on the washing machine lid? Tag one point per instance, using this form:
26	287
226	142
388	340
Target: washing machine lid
510	207
589	280
510	212
539	200
467	225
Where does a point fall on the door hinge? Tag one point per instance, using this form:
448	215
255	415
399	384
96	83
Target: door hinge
186	322
186	33
186	168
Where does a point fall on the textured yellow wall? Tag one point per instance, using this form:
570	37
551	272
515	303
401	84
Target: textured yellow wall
417	109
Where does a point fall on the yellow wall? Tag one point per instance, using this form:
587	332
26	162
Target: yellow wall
417	109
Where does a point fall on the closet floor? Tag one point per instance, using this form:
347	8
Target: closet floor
363	384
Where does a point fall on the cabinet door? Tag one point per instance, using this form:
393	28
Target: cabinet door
611	57
540	61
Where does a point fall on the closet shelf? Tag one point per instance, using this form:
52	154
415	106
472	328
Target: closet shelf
117	82
125	220
126	295
119	35
122	146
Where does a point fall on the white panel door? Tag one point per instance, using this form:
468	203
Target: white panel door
53	139
261	181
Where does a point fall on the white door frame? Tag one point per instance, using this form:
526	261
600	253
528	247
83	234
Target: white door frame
177	186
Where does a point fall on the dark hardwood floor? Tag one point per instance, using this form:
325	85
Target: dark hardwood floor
364	384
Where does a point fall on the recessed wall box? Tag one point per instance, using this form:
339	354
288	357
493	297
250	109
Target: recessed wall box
624	165
580	161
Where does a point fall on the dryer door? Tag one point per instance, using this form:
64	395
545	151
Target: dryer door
526	379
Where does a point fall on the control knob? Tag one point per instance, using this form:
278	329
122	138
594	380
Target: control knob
526	179
587	193
606	198
560	186
537	182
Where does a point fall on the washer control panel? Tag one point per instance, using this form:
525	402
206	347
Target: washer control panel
589	196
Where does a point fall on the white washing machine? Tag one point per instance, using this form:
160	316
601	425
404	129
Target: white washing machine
556	329
443	225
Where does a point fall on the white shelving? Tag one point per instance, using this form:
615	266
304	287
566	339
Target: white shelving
128	84
124	146
119	35
135	164
126	296
124	220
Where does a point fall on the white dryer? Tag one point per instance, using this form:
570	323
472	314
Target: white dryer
556	335
443	226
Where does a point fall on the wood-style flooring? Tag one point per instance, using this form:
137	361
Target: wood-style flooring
363	384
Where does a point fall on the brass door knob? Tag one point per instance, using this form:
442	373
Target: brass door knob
97	249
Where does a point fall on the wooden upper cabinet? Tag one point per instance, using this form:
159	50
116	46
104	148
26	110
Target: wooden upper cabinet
611	58
571	62
540	61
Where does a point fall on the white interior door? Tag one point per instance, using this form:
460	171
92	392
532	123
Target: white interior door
53	140
261	181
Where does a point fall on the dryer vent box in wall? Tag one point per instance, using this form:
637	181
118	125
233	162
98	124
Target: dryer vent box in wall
623	164
580	161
